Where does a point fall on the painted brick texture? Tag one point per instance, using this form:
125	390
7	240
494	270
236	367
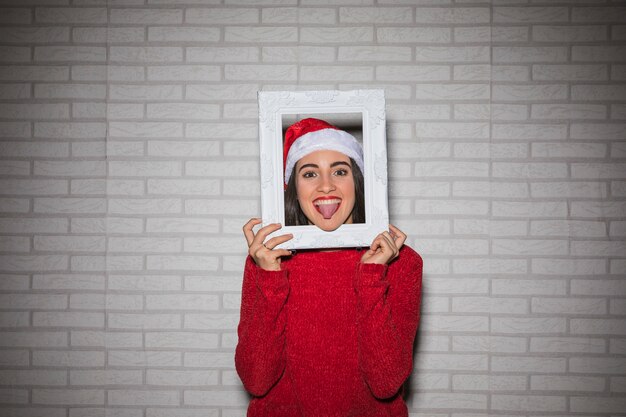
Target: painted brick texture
129	162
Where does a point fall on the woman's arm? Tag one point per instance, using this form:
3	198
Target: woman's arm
388	302
260	353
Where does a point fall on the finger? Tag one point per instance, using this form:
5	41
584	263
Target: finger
247	229
277	240
264	232
390	245
401	236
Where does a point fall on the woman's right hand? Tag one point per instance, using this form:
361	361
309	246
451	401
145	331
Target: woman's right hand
264	254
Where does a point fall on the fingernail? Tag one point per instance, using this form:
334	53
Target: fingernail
292	251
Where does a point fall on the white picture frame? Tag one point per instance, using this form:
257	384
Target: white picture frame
275	107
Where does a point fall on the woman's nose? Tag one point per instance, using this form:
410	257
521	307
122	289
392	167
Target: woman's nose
326	184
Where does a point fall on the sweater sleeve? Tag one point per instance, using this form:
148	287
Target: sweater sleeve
260	353
388	302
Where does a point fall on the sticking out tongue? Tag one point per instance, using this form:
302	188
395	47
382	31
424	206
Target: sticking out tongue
328	210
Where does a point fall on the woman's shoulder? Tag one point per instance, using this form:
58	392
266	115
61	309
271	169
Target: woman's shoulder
408	256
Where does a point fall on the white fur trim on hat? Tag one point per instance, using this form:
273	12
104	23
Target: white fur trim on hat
324	140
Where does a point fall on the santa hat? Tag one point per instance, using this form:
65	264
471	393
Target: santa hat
310	135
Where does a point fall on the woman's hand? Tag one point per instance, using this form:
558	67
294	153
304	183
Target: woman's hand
264	254
385	247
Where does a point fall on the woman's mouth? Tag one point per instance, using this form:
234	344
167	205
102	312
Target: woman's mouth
327	206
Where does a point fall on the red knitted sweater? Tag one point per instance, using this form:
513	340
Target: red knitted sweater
329	336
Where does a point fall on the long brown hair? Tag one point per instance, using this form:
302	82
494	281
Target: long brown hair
294	216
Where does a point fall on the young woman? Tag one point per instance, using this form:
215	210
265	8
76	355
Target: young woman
326	333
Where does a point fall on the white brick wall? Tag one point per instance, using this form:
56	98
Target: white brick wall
128	157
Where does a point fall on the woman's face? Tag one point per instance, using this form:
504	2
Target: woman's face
325	188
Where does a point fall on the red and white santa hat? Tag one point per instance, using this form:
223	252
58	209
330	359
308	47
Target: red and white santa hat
310	135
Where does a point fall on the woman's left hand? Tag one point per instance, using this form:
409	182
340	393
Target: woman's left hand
385	247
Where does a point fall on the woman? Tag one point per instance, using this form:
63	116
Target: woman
326	333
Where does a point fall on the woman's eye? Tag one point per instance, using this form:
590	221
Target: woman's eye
341	172
308	174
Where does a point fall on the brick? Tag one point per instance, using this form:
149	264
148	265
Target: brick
209	360
598	92
68	282
597	170
456	130
475	54
530	14
458	207
105	377
529	54
148	92
418	111
260	72
71	91
511	73
251	35
529	170
598	326
182	302
457	286
73	359
15	358
532	403
34	111
597	404
71	15
374	53
603	14
83	54
15	54
528	287
183	34
336	73
144	283
558	306
566	383
109	35
417	73
527	364
567	228
221	169
16	16
488	382
144	358
598	248
457	246
569	33
145	129
143	397
222	16
472	73
455	400
487	266
567	345
33	34
452	91
34	73
145	16
187	377
190	412
181	340
13	92
568	111
35	262
598	131
228	92
183	225
68	396
333	35
143	321
502	344
416	35
108	301
156	54
509	33
597	365
215	398
478	34
68	319
377	15
185	262
32	377
457	15
182	111
598	209
301	15
570	72
213	55
529	92
298	54
489	305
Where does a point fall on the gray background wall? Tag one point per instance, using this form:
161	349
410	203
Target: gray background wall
129	164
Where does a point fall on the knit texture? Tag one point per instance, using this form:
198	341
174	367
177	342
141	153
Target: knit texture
328	335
